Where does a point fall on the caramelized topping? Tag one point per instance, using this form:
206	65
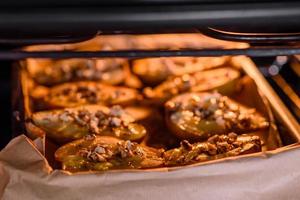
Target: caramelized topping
216	146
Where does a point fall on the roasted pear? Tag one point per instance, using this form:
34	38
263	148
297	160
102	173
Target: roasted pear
200	115
82	93
109	71
74	123
223	80
214	148
155	70
99	153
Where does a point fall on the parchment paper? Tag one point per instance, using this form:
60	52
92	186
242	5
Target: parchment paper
25	174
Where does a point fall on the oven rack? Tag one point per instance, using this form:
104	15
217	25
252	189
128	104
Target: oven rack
265	51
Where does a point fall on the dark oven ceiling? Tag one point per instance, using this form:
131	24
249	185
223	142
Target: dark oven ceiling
66	19
51	3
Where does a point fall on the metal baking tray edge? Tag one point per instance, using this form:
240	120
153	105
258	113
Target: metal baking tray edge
280	111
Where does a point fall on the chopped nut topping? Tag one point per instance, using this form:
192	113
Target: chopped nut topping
213	107
211	149
65	116
125	149
217	145
99	149
77	69
115	121
80	93
186	145
213	139
90	137
99	120
103	153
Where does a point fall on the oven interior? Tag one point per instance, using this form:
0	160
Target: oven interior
273	48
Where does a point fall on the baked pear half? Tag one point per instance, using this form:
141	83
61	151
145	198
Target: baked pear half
74	123
99	153
153	71
83	93
217	146
198	116
223	80
52	72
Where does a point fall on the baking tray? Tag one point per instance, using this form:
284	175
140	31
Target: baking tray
284	129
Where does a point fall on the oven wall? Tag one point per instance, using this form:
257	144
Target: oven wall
5	103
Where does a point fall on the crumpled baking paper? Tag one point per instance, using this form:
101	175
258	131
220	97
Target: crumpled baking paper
25	174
